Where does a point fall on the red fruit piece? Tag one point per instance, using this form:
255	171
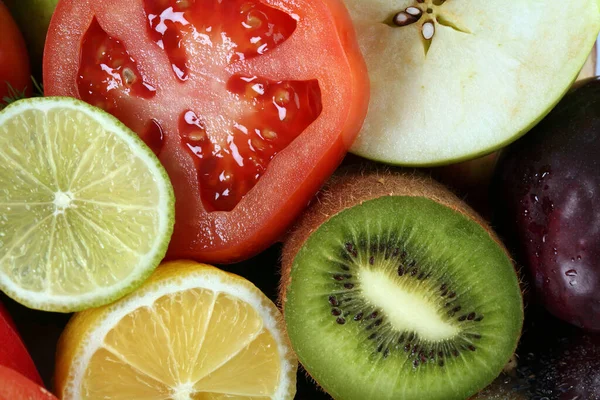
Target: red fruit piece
13	353
14	386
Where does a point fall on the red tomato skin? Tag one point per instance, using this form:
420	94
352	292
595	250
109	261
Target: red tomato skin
13	353
14	61
14	386
294	175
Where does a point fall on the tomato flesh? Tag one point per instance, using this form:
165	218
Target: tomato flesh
229	157
108	76
250	105
239	29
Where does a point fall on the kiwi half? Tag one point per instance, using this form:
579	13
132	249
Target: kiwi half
392	288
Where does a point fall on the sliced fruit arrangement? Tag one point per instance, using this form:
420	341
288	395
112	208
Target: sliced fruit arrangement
15	386
453	79
546	189
238	99
392	288
14	61
86	209
190	332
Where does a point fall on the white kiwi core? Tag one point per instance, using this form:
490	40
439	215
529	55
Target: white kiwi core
405	306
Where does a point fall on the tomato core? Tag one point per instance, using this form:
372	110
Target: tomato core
232	143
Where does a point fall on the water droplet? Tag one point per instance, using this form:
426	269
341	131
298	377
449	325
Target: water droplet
571	272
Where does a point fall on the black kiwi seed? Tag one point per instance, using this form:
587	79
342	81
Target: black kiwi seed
380	348
333	301
336	312
413	272
407	347
471	347
373	315
457	308
452	295
386	353
371	260
372	336
348	285
338	277
471	316
443	287
462	318
358	316
340	320
400	270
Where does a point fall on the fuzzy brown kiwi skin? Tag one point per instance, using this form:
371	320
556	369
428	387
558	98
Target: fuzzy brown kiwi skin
356	184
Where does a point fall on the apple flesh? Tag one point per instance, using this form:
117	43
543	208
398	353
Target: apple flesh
457	79
547	200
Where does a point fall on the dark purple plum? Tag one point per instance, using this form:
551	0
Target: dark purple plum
547	205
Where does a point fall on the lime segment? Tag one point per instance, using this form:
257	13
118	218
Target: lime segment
86	209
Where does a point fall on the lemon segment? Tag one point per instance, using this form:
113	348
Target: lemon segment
191	332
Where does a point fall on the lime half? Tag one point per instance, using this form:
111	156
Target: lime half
86	209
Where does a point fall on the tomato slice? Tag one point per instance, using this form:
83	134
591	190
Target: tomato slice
14	61
14	386
13	353
249	104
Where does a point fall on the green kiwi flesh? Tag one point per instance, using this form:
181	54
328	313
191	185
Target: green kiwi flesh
402	297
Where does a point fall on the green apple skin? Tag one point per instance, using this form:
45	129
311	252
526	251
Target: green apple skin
33	18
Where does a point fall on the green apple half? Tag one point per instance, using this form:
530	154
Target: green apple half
457	79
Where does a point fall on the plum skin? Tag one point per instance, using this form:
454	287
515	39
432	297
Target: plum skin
547	195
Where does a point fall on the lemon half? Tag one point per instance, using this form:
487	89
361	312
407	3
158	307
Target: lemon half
191	332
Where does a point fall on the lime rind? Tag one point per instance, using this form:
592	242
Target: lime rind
43	200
